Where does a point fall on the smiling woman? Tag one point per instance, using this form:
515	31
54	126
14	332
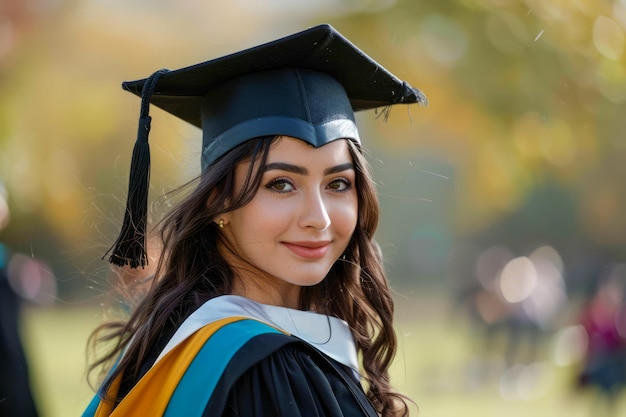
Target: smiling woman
269	285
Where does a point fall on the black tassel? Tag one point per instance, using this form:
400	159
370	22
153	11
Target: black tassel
130	246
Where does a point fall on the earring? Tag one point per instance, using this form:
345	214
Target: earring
221	223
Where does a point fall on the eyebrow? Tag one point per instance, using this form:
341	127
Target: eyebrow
303	171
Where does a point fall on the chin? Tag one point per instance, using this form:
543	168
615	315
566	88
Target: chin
313	281
305	277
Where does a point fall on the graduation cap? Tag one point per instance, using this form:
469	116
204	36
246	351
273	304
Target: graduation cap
307	85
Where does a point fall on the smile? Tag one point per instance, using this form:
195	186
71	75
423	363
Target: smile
308	250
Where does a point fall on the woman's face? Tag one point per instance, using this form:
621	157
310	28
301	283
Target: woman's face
297	225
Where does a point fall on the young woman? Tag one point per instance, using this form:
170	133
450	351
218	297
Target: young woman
269	298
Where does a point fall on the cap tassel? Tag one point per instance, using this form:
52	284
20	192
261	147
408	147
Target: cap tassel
130	246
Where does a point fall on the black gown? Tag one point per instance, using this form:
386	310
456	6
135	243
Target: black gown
234	357
280	375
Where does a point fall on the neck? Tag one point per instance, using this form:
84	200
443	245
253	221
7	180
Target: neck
270	293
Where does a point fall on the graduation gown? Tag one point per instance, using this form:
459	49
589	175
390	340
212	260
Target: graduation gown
235	357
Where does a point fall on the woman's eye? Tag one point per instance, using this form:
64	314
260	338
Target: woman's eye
339	185
280	185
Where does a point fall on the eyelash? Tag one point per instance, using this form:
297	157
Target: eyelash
346	182
279	181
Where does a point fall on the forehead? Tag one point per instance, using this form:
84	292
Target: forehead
287	148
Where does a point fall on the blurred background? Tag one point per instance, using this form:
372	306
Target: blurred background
502	202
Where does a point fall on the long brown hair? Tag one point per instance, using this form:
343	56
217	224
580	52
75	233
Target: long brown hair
192	271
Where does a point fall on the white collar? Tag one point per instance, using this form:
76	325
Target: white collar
329	335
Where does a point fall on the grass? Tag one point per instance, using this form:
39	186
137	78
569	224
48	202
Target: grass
438	366
55	341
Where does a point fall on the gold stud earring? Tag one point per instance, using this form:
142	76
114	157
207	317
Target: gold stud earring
221	223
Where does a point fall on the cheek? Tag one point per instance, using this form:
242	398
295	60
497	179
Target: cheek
261	219
346	216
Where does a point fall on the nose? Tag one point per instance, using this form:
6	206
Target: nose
315	212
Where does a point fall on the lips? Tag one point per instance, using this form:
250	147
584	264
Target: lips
308	250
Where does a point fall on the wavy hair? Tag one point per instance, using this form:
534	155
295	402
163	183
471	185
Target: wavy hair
191	271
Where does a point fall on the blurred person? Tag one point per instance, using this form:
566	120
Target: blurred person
269	287
604	367
16	397
513	304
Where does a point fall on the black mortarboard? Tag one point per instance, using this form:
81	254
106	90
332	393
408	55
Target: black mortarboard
307	85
